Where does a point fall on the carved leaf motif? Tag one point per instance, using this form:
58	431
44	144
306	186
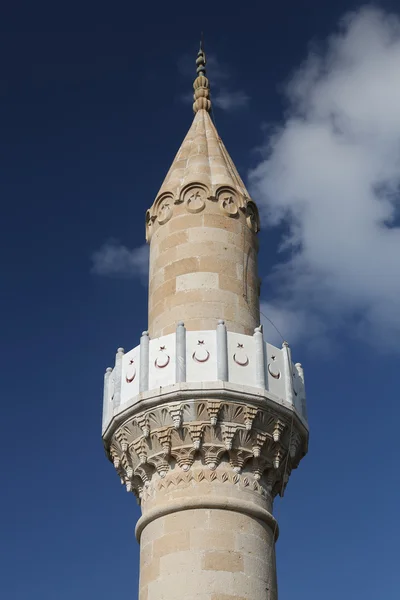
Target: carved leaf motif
143	422
249	416
159	418
213	409
243	439
232	412
228	433
246	433
175	410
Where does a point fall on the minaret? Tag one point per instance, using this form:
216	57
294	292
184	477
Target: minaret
204	420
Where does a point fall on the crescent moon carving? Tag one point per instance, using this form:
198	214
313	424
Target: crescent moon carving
131	378
162	365
201	360
240	362
130	372
274	375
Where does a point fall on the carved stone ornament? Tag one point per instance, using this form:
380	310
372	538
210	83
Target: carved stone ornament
252	217
130	372
164	211
226	441
240	357
201	354
194	199
162	359
273	370
228	204
149	225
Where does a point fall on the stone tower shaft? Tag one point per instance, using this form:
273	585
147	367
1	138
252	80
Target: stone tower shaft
204	420
203	246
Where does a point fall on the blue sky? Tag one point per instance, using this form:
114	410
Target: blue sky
94	107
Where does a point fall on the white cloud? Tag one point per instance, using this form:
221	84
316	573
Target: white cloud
230	100
219	73
113	259
332	175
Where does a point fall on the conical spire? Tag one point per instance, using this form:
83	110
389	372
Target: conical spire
202	233
203	162
202	157
201	85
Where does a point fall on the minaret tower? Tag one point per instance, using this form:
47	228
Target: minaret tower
204	420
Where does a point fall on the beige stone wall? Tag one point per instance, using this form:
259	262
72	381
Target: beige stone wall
207	553
203	267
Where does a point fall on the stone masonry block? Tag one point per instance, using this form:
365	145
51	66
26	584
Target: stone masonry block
144	593
177	541
207	234
222	296
155	280
199	280
227	597
146	553
187	520
213	264
162	292
180	267
184	222
204	540
231	284
179	562
149	572
209	248
223	561
176	239
223	222
182	299
165	258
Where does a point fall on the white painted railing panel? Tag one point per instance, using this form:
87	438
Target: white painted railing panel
241	359
162	361
130	375
275	368
201	356
204	356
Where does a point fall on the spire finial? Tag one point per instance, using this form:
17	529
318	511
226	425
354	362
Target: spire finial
201	84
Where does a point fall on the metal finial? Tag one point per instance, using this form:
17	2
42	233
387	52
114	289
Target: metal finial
201	84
